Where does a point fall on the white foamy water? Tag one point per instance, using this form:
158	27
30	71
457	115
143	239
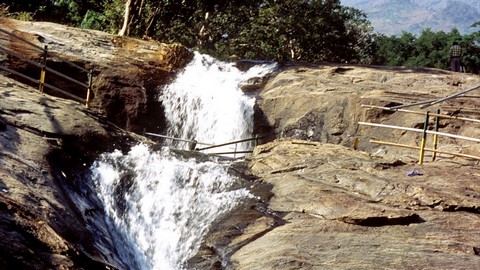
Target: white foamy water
159	205
206	104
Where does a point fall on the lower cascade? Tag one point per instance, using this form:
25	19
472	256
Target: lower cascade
159	204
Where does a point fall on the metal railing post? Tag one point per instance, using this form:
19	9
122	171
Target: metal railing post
43	68
235	153
89	88
435	136
424	138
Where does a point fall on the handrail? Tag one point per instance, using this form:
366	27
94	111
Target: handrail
42	49
421	131
233	142
44	69
194	143
66	77
30	61
430	102
229	153
54	54
422	113
77	98
175	139
22	39
46	84
26	59
425	149
450	97
425	131
19	74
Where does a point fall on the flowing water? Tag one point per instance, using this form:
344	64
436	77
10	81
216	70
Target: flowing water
159	205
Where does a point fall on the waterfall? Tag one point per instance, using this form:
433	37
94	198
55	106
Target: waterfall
206	104
158	204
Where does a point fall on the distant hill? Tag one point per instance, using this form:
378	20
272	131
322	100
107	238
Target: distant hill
392	17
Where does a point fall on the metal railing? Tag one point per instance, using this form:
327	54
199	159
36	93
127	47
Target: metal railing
422	148
44	69
194	143
254	139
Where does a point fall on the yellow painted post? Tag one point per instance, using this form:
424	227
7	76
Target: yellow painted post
435	136
424	138
355	143
89	89
43	68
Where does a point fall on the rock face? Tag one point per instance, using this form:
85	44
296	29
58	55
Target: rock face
345	209
333	207
126	71
324	103
48	204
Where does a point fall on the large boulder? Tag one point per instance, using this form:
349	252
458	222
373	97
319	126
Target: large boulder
51	217
324	103
345	209
338	201
126	72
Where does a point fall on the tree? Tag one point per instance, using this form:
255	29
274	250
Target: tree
308	30
430	49
133	10
127	18
271	29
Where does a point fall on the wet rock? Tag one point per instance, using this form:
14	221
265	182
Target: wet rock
50	216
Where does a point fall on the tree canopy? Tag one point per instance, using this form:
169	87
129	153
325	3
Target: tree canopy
430	49
280	30
306	30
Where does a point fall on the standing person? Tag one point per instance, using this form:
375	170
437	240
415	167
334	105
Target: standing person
455	56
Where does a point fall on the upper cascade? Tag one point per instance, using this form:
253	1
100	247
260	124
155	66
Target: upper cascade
205	103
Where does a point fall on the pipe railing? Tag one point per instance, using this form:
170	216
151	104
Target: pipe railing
229	143
194	143
430	102
44	69
424	132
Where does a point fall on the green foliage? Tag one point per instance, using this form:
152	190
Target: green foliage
430	49
313	30
93	20
325	31
23	16
113	15
287	30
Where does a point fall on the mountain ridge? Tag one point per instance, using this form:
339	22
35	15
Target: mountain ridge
392	17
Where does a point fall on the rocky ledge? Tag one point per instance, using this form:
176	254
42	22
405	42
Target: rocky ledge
126	71
339	201
50	216
345	209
